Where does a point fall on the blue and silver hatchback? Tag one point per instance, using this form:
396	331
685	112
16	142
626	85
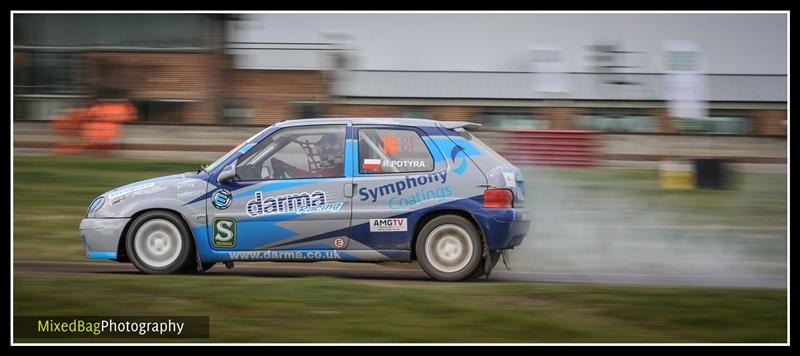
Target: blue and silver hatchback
352	190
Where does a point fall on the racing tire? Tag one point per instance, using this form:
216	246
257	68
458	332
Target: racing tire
449	248
157	242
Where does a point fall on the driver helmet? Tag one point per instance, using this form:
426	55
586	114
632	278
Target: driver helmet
331	149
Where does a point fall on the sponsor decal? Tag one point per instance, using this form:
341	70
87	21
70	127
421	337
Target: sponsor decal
190	193
454	154
510	181
383	225
339	242
420	196
372	164
185	185
148	191
399	186
285	255
123	194
246	148
224	232
299	203
222	199
116	198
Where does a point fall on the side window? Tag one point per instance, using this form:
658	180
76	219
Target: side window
296	152
392	151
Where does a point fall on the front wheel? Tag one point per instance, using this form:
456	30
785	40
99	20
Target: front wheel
158	243
449	248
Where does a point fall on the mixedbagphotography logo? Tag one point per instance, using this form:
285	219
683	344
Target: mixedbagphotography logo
111	326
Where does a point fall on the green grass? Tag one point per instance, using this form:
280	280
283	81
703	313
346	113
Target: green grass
51	195
315	309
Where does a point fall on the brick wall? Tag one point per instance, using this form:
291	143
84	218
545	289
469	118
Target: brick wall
365	110
664	121
207	79
560	118
160	76
456	113
770	122
19	57
272	93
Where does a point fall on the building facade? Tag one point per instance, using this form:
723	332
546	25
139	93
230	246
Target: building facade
634	73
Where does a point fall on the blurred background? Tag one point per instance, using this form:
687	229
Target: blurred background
655	85
654	145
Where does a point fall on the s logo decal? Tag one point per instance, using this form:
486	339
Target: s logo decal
224	232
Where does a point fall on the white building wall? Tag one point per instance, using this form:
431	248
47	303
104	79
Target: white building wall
732	43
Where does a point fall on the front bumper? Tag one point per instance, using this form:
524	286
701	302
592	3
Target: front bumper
504	228
101	237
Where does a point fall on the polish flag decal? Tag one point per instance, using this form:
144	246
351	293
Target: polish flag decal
372	164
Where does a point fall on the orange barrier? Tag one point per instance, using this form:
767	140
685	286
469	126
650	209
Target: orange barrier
566	148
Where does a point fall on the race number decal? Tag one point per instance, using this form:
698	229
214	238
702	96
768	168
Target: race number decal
390	145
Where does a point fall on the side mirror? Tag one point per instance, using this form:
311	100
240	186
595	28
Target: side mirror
227	174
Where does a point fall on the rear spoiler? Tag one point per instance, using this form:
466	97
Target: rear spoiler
457	124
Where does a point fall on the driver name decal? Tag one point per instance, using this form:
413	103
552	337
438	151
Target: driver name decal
298	203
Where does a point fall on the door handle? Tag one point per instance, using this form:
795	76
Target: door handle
349	188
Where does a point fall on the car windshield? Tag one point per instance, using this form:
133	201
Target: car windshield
230	153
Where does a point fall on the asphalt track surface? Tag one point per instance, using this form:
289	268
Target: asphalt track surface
398	272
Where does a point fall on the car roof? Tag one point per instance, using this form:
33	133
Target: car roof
393	121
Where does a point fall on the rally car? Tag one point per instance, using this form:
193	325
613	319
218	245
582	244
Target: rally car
352	190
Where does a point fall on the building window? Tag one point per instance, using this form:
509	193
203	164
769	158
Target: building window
308	109
682	60
162	110
111	30
514	119
618	120
46	84
49	73
718	122
237	110
417	112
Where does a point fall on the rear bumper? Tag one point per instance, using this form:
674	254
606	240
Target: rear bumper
101	237
504	228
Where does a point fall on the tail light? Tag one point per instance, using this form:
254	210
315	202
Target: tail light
498	198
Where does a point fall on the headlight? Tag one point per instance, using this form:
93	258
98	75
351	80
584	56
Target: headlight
96	205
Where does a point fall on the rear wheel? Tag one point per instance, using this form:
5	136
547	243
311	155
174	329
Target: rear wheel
449	248
158	243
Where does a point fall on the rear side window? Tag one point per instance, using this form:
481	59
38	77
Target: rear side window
383	150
